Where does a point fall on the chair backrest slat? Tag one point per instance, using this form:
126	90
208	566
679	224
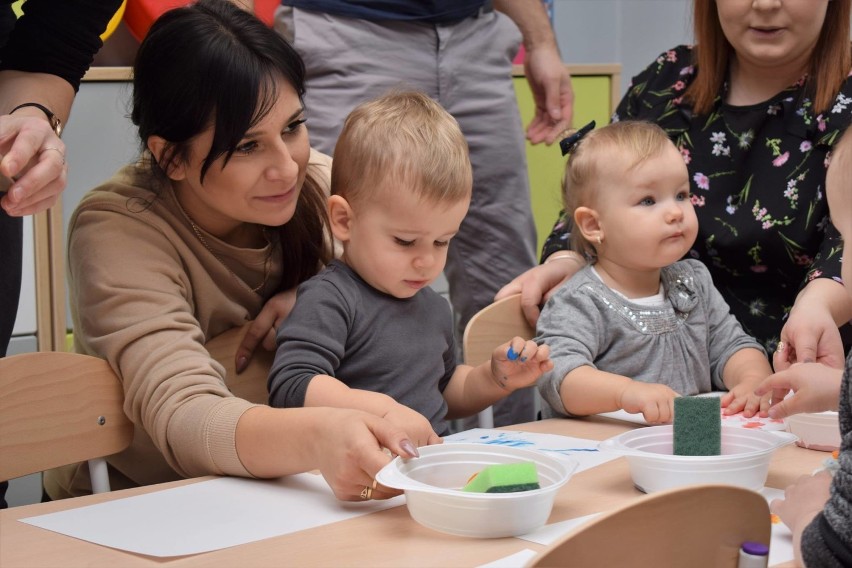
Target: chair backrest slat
492	326
57	409
697	526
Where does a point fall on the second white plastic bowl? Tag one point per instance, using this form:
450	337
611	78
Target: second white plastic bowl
744	461
816	431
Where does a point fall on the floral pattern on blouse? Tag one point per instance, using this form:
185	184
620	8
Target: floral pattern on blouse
757	176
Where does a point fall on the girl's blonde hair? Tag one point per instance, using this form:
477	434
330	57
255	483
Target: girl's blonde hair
828	67
620	144
402	138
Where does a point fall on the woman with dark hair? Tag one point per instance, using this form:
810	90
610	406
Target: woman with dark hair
224	209
756	107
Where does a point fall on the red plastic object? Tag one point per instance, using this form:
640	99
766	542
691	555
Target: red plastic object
140	14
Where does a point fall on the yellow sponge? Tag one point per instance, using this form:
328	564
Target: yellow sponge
504	478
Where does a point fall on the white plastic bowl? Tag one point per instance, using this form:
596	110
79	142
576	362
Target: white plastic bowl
744	461
816	431
433	482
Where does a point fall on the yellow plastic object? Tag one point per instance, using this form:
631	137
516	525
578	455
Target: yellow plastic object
114	21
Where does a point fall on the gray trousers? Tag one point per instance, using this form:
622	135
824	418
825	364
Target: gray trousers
466	67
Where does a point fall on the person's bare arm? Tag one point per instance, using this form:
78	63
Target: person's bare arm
547	76
32	157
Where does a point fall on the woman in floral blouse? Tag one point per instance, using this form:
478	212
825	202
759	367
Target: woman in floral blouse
756	108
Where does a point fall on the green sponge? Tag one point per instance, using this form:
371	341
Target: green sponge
697	426
504	478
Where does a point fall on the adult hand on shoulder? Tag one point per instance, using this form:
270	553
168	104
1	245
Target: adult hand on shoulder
536	285
351	452
816	388
33	159
263	329
552	92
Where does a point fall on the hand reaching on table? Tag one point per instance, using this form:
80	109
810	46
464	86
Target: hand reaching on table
802	501
743	398
654	401
816	388
351	450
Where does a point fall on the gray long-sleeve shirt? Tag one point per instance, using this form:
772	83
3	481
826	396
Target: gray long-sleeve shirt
684	344
343	327
827	541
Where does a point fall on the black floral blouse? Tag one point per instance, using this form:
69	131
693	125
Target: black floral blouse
758	186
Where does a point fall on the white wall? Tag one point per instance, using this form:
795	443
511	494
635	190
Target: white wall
629	32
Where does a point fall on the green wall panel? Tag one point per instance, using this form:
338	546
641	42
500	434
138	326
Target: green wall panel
546	165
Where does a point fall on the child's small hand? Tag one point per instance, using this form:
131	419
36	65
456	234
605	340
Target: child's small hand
743	398
518	363
418	428
654	401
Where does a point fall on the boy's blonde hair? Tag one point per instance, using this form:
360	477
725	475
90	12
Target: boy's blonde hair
620	144
402	138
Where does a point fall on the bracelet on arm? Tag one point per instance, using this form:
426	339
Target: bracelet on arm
567	256
52	119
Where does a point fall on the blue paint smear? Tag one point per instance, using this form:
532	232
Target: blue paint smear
512	443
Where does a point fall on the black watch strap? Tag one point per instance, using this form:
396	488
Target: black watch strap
54	121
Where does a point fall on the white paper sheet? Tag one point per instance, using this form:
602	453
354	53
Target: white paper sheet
584	451
209	515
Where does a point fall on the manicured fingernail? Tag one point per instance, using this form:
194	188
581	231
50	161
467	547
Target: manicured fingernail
242	362
808	360
511	354
409	448
523	359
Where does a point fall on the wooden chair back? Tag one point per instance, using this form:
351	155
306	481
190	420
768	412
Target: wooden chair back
493	325
697	526
57	409
489	327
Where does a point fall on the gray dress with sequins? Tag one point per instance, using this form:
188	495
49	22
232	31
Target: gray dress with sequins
684	344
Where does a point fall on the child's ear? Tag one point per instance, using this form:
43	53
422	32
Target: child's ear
174	171
587	222
340	216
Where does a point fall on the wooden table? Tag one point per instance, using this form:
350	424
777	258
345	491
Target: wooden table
386	538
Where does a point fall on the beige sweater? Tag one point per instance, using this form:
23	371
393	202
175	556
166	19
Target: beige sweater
146	295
